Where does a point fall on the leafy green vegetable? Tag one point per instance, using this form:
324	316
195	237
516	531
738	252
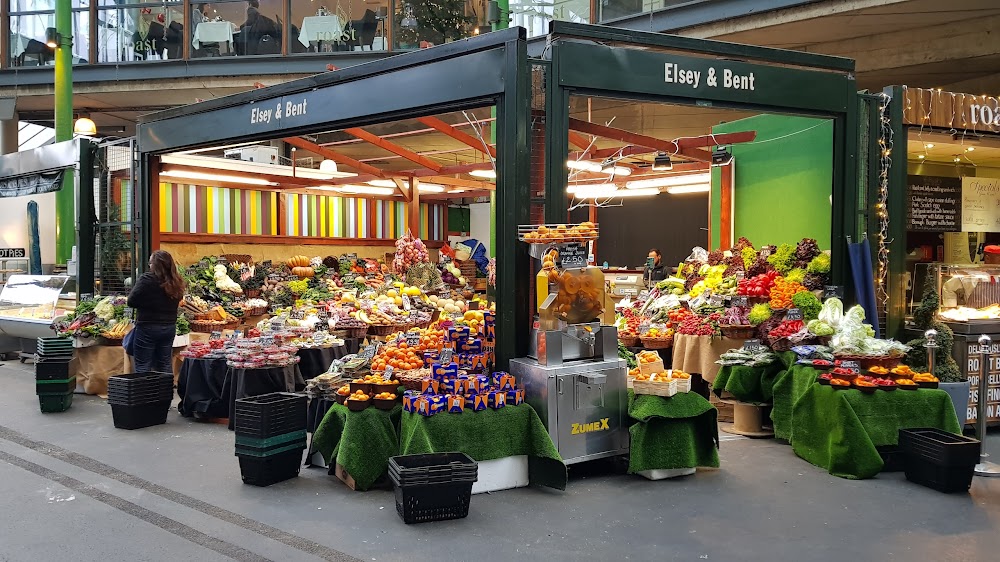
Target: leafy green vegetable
749	256
628	356
819	328
183	326
759	314
808	304
783	258
796	275
819	264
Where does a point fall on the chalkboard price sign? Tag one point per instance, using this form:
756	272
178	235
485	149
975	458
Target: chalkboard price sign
754	346
833	291
739	301
934	204
793	314
573	256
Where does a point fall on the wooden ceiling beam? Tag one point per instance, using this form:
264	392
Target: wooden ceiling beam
303	144
631	138
462	137
579	141
394	148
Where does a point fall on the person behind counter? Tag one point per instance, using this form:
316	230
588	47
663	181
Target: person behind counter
658	272
156	297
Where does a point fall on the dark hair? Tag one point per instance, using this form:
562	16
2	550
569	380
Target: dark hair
162	266
254	3
655	251
202	7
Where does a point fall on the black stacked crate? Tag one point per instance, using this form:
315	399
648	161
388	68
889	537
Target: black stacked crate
433	487
53	384
938	459
140	399
270	437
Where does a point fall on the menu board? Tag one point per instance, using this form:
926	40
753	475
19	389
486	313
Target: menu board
934	204
980	205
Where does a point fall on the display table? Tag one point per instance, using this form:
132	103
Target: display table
204	388
839	430
754	385
359	442
92	366
316	361
362	442
212	32
789	386
672	433
488	435
698	354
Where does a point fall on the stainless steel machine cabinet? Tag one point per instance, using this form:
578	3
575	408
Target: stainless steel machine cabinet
582	402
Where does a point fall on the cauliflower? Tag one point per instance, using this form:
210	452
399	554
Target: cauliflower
105	310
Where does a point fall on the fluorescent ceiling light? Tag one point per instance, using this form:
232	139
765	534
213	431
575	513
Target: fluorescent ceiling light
487	174
589	186
583	165
382	183
605	191
617	171
191	175
703	188
366	190
218	163
457	191
669	181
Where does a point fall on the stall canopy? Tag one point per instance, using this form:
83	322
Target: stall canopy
36	171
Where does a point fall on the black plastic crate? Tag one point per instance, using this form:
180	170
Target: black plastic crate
940	447
433	468
264	471
272	404
51	403
58	386
52	370
141	415
125	397
948	479
255	428
141	380
423	503
244	441
260	452
270	415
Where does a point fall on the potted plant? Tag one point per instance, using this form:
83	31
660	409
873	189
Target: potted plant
946	369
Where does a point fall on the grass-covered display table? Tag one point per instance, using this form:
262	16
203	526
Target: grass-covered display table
362	442
789	386
488	435
671	433
839	429
754	385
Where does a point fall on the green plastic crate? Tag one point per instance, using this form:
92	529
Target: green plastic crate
51	403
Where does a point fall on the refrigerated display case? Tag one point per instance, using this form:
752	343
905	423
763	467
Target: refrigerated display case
970	297
30	303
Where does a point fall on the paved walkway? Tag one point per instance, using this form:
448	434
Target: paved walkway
74	487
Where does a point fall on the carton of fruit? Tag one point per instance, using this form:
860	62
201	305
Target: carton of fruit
430	357
475	363
497	399
480	402
651	368
515	397
457	333
470	346
456	386
479	384
438	402
423	407
442	372
430	386
456	403
503	381
410	401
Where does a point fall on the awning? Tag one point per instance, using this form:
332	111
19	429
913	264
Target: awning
31	184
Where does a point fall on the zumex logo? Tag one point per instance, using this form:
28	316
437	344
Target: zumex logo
984	115
601	425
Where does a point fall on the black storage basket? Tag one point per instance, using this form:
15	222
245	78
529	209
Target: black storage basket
432	487
58	386
938	459
139	416
51	370
269	415
264	471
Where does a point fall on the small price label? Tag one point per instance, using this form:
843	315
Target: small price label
445	356
412	339
740	301
323	314
850	365
267	340
235	336
406	302
297	315
833	291
215	336
765	252
387	374
352	256
793	314
573	256
716	300
754	346
319	337
266	264
644	327
740	276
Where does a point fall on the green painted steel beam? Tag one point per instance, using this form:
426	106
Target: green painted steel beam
65	197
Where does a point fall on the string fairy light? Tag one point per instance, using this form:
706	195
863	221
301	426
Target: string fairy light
885	143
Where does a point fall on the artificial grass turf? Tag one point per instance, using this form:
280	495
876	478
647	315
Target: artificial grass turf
361	442
676	432
748	384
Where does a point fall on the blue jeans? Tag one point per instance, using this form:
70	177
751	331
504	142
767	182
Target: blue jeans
153	345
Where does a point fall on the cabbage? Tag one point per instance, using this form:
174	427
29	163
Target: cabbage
832	312
820	328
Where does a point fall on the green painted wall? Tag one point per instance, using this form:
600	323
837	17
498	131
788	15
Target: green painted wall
783	186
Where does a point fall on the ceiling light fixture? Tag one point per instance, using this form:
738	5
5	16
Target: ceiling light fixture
215	177
921	156
662	163
424	187
486	174
929	145
617	171
679	189
583	165
685	179
970	149
328	166
366	190
85	126
721	156
599	192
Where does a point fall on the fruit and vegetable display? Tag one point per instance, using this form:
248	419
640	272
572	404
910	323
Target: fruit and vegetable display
105	317
561	233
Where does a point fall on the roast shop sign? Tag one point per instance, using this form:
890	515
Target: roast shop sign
982	114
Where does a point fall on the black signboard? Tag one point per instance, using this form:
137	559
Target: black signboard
934	204
12	253
412	339
573	256
754	346
739	301
832	291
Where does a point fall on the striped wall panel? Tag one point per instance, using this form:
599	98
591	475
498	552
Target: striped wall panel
217	210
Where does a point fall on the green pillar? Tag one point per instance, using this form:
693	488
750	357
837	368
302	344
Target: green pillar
65	197
502	24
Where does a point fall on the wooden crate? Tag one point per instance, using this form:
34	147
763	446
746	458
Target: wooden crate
725	410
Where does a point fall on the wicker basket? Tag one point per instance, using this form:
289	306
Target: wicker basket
664	389
385	329
107	342
738	331
657	343
206	328
781	344
468	269
238	258
629	341
355	333
252	293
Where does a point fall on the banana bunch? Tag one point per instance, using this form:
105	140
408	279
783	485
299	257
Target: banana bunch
118	330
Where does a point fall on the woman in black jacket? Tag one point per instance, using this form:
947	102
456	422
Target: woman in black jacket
156	297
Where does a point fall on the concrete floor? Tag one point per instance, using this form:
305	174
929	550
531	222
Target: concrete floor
75	487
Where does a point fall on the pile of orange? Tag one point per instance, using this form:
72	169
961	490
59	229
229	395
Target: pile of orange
782	292
400	357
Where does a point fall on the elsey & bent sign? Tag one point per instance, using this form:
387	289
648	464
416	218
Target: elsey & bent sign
675	74
287	109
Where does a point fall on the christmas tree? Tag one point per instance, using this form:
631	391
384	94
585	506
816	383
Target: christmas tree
925	318
437	22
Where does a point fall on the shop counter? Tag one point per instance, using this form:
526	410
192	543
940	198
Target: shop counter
698	354
672	433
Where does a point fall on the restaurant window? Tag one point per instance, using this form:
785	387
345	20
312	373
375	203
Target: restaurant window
139	31
535	16
609	10
28	21
223	28
418	25
346	25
